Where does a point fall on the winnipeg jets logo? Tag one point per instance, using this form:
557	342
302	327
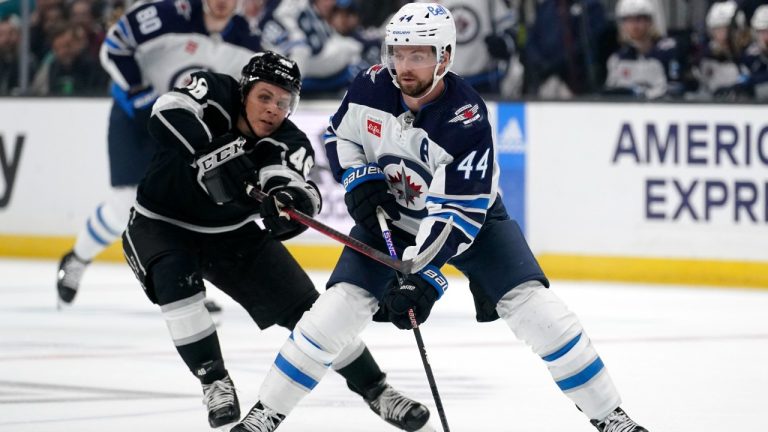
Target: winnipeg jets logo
466	114
373	71
406	190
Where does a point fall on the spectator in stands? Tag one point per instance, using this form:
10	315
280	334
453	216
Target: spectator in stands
253	11
9	56
69	71
561	55
647	65
756	57
719	71
81	13
48	15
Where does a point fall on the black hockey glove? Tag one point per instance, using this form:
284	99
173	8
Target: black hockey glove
223	171
418	292
367	190
305	199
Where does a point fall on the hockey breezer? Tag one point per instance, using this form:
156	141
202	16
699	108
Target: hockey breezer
405	267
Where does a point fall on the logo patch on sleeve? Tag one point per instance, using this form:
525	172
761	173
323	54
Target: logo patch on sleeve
374	127
466	114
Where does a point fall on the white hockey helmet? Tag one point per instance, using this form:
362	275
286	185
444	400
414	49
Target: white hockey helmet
760	18
629	8
421	24
723	14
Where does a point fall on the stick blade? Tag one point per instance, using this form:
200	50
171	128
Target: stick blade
421	260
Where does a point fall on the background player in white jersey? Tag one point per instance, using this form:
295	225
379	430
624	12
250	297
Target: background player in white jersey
148	51
417	142
193	220
756	56
486	48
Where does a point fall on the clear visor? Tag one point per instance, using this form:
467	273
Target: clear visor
407	57
285	103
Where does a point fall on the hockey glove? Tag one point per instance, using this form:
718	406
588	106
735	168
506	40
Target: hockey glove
223	171
366	191
136	103
418	292
305	199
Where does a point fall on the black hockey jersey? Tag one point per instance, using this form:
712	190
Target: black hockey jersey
184	122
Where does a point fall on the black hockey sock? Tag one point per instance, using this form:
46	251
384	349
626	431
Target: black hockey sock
204	359
362	374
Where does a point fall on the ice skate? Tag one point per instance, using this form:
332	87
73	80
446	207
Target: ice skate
259	419
71	270
618	421
395	408
221	399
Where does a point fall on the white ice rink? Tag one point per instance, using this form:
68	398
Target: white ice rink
685	359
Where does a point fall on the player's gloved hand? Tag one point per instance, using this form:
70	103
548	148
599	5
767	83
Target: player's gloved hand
136	103
500	47
418	291
223	170
366	191
305	198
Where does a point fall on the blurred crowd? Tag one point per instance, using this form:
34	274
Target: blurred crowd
507	49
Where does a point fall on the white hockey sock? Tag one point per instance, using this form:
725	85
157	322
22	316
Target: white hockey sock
188	320
538	317
328	330
106	223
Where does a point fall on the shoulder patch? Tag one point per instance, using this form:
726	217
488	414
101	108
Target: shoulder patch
373	71
466	114
667	44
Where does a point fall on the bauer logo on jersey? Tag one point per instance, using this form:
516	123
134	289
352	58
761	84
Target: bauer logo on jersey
466	114
374	127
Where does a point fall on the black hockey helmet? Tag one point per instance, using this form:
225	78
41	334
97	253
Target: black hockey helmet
275	69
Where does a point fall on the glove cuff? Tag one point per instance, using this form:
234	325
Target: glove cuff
355	176
434	277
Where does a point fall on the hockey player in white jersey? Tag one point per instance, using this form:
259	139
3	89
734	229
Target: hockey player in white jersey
147	52
295	28
414	139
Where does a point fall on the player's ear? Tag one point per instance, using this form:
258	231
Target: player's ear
446	60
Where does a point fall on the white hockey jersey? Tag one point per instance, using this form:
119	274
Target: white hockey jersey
159	43
440	163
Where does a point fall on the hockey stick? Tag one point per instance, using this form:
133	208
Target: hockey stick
387	234
404	267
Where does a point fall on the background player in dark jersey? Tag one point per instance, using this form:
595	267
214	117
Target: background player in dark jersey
414	139
193	220
150	50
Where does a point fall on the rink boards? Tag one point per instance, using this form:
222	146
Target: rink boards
671	193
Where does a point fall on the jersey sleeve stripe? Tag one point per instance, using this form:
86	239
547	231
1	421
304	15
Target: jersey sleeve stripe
470	228
175	132
271	172
470	203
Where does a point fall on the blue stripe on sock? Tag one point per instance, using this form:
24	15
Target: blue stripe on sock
582	377
562	351
103	222
294	373
95	236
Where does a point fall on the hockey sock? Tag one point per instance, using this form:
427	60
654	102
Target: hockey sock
362	371
331	326
195	338
538	317
105	224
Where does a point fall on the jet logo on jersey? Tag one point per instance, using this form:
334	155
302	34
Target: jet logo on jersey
374	127
466	114
407	191
183	8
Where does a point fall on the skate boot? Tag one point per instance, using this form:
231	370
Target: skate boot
221	399
71	270
394	407
617	421
259	419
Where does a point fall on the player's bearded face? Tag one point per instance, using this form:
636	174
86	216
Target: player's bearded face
415	66
222	8
266	107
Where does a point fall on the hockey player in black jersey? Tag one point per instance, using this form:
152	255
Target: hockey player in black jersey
193	221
